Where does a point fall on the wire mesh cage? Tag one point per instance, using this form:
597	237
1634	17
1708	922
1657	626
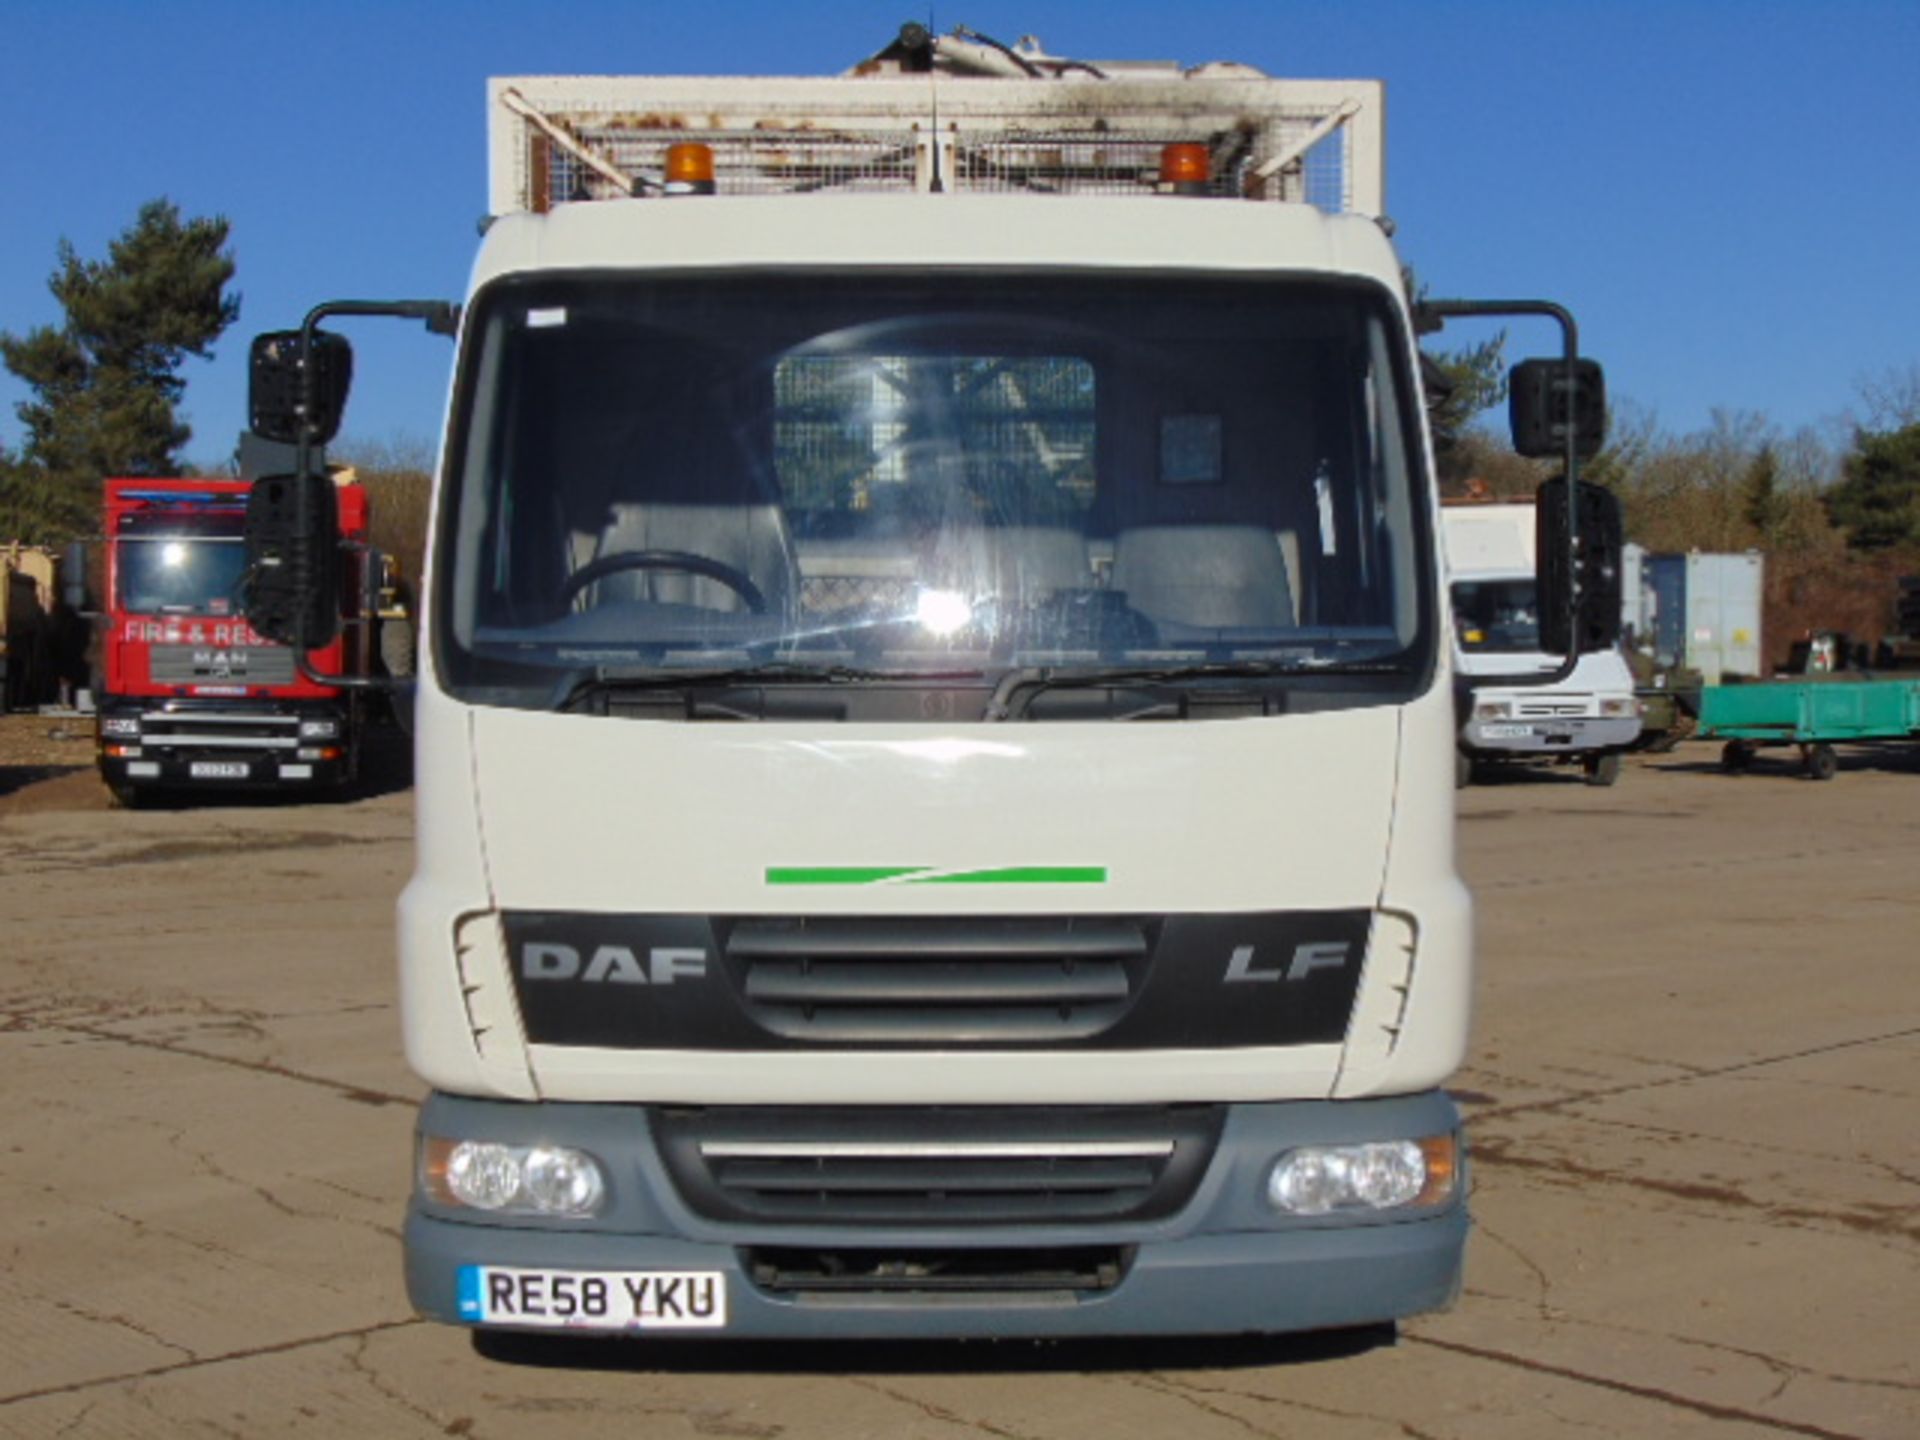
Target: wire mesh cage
562	139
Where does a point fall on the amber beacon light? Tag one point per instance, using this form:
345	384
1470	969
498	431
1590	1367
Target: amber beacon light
690	169
1185	169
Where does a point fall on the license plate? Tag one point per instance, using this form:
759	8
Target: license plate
1506	732
219	770
594	1299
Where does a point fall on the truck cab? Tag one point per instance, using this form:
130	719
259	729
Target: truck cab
1590	717
934	691
191	697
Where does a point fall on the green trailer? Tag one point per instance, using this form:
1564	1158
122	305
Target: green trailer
1814	714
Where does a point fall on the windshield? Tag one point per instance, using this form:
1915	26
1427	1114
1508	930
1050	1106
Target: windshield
180	565
926	474
1496	617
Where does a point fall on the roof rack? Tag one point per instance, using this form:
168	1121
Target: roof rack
971	119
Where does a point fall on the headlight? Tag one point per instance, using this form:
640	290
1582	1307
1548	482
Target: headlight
125	727
1619	705
1379	1175
319	729
1492	710
512	1179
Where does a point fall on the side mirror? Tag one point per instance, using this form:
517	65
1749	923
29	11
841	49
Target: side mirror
276	394
73	577
1579	606
292	587
1546	399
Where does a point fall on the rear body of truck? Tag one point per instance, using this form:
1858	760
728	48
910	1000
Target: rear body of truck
191	698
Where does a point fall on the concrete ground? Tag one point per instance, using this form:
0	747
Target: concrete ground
1692	1096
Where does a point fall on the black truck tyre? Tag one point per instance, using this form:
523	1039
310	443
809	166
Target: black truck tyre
1603	769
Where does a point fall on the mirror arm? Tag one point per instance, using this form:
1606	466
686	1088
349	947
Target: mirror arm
442	318
1433	314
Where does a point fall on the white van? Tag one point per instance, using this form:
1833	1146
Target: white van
1591	717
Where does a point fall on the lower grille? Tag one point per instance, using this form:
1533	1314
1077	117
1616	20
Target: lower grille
791	1271
221	734
930	981
966	1167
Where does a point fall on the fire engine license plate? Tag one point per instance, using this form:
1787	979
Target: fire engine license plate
594	1299
1506	732
218	770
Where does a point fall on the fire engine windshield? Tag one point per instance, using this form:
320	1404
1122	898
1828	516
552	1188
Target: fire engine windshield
180	565
959	473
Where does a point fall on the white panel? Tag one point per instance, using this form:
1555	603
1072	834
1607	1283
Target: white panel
592	813
930	1077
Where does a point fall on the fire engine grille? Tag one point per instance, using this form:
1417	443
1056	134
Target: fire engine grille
934	981
951	1167
240	664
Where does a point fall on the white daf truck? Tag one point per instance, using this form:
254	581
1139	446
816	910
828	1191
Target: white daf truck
935	814
1590	719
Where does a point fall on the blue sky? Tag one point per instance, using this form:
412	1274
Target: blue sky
1722	191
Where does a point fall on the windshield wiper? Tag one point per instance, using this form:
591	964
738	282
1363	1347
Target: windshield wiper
1018	687
614	680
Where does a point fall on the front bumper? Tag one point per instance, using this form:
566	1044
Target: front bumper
223	748
1225	1263
1546	738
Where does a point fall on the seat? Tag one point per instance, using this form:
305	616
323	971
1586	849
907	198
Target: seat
1205	577
1029	562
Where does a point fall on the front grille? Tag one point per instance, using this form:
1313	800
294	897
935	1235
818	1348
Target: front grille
938	1167
782	1270
1547	709
223	734
933	981
237	664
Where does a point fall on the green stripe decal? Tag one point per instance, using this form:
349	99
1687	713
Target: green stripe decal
928	875
839	874
1021	875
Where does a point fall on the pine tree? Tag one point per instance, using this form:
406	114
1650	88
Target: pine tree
107	380
1877	500
1764	505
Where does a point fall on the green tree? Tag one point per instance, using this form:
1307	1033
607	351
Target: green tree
106	380
1877	500
1765	507
1460	384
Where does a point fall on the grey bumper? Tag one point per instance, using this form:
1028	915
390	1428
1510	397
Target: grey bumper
1538	739
1225	1264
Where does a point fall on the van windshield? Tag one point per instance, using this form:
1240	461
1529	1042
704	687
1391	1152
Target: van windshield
927	473
1497	617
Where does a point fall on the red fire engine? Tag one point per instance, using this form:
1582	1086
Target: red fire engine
191	696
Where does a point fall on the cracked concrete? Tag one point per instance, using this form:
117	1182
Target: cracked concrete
1690	1096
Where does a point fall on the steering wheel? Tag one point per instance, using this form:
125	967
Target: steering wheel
735	580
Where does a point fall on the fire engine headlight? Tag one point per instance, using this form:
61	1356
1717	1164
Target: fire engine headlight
319	729
1492	710
124	727
512	1179
1378	1175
